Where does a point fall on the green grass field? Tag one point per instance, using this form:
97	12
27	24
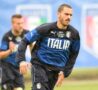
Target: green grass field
74	85
79	85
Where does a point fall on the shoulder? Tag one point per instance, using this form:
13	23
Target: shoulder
7	34
74	31
44	28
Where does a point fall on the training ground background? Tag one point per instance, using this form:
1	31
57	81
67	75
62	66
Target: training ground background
85	20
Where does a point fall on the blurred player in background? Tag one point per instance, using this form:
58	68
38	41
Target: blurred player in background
55	52
11	77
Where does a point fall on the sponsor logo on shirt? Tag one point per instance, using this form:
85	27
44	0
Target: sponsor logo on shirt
58	43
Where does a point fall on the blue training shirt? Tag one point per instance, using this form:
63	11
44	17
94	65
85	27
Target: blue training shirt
54	46
5	45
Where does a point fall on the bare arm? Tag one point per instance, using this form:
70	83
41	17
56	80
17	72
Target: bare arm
31	46
4	54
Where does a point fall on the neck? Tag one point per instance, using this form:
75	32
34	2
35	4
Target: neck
16	33
60	26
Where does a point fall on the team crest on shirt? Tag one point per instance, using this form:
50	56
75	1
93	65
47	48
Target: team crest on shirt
60	34
38	85
18	39
68	34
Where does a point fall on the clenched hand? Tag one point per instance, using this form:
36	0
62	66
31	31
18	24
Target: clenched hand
24	67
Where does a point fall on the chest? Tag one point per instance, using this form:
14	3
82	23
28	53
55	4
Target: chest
14	39
58	40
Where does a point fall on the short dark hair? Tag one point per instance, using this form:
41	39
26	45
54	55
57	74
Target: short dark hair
62	6
17	16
